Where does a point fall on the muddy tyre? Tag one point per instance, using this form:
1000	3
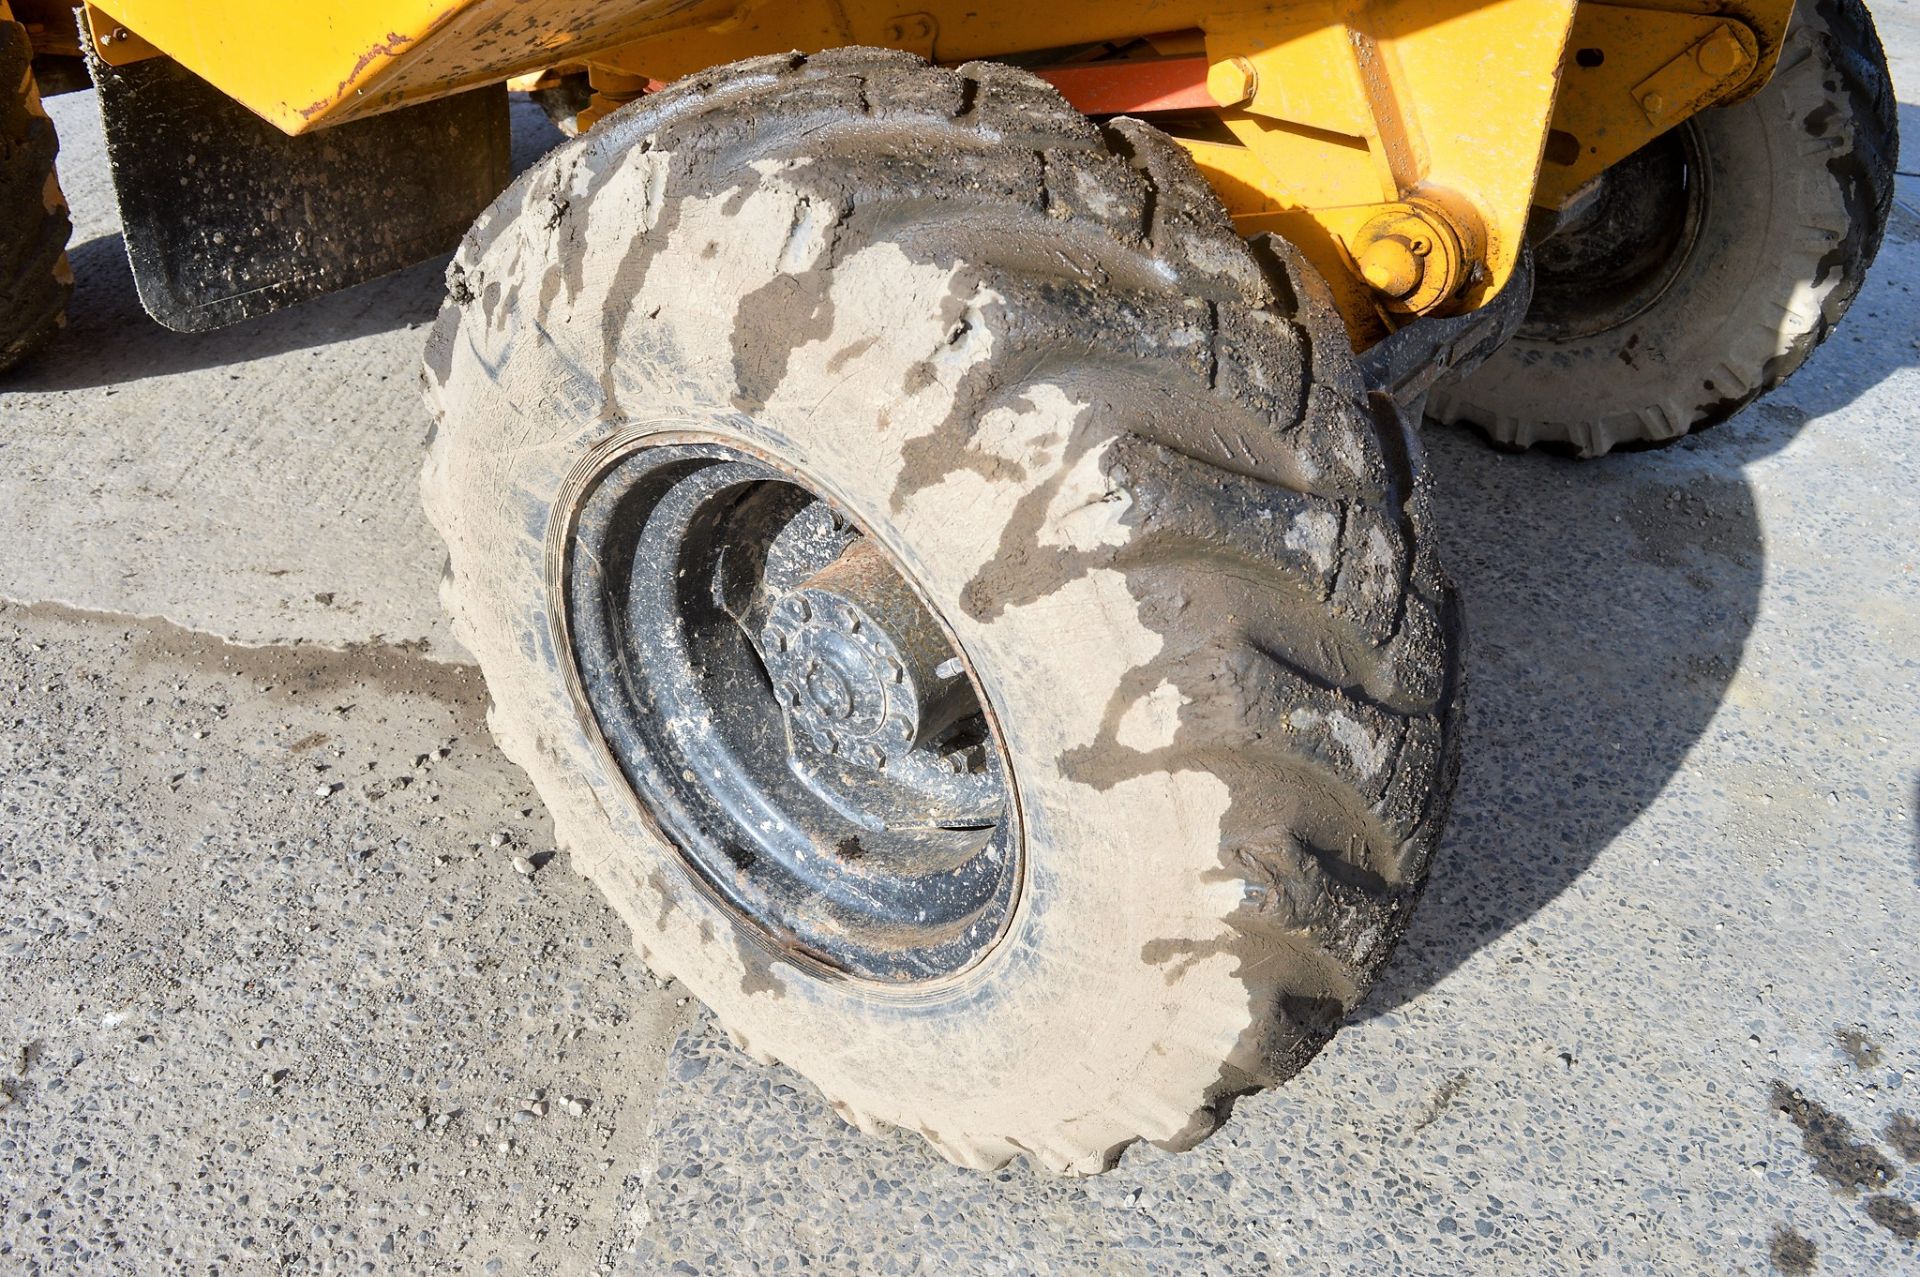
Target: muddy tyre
1706	268
1084	506
34	279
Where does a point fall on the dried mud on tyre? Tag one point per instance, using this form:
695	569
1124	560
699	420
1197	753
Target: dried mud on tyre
1134	473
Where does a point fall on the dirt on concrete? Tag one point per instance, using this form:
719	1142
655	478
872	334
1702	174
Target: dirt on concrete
278	996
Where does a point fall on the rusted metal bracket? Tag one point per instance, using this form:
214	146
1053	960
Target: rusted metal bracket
1143	86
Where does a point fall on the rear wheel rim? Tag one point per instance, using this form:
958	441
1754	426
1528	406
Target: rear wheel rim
1620	254
798	722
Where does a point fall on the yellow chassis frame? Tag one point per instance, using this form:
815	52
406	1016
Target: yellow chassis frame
1402	144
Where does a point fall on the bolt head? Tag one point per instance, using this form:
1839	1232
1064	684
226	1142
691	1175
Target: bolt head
1720	56
914	27
1234	82
1654	104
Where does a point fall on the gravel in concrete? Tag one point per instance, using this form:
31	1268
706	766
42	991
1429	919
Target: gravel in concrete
272	997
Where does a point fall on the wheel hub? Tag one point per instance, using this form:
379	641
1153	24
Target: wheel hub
871	693
1618	251
862	669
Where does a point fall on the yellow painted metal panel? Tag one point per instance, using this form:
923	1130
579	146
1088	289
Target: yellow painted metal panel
285	61
300	65
1350	115
1304	64
1478	85
1620	58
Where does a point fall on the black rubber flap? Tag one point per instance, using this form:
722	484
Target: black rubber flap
226	217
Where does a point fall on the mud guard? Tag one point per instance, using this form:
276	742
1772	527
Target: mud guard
225	217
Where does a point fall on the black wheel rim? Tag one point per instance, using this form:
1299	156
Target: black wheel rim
798	722
1626	243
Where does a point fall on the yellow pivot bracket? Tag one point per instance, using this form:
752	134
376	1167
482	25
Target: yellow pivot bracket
1632	73
1396	141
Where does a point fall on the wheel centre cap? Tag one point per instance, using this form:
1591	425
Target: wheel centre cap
831	678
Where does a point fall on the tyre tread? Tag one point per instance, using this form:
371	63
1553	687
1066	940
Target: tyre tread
34	223
1833	58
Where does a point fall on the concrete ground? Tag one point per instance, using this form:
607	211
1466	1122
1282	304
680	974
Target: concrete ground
278	998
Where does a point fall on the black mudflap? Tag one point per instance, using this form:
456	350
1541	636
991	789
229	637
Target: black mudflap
226	217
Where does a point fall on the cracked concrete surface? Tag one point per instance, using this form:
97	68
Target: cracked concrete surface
275	999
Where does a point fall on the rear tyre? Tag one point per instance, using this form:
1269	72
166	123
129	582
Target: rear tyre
35	281
1708	266
1061	475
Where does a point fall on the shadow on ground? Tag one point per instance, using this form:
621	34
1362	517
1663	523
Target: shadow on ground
1608	607
111	341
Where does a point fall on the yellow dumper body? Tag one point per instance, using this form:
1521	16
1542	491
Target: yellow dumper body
1401	143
